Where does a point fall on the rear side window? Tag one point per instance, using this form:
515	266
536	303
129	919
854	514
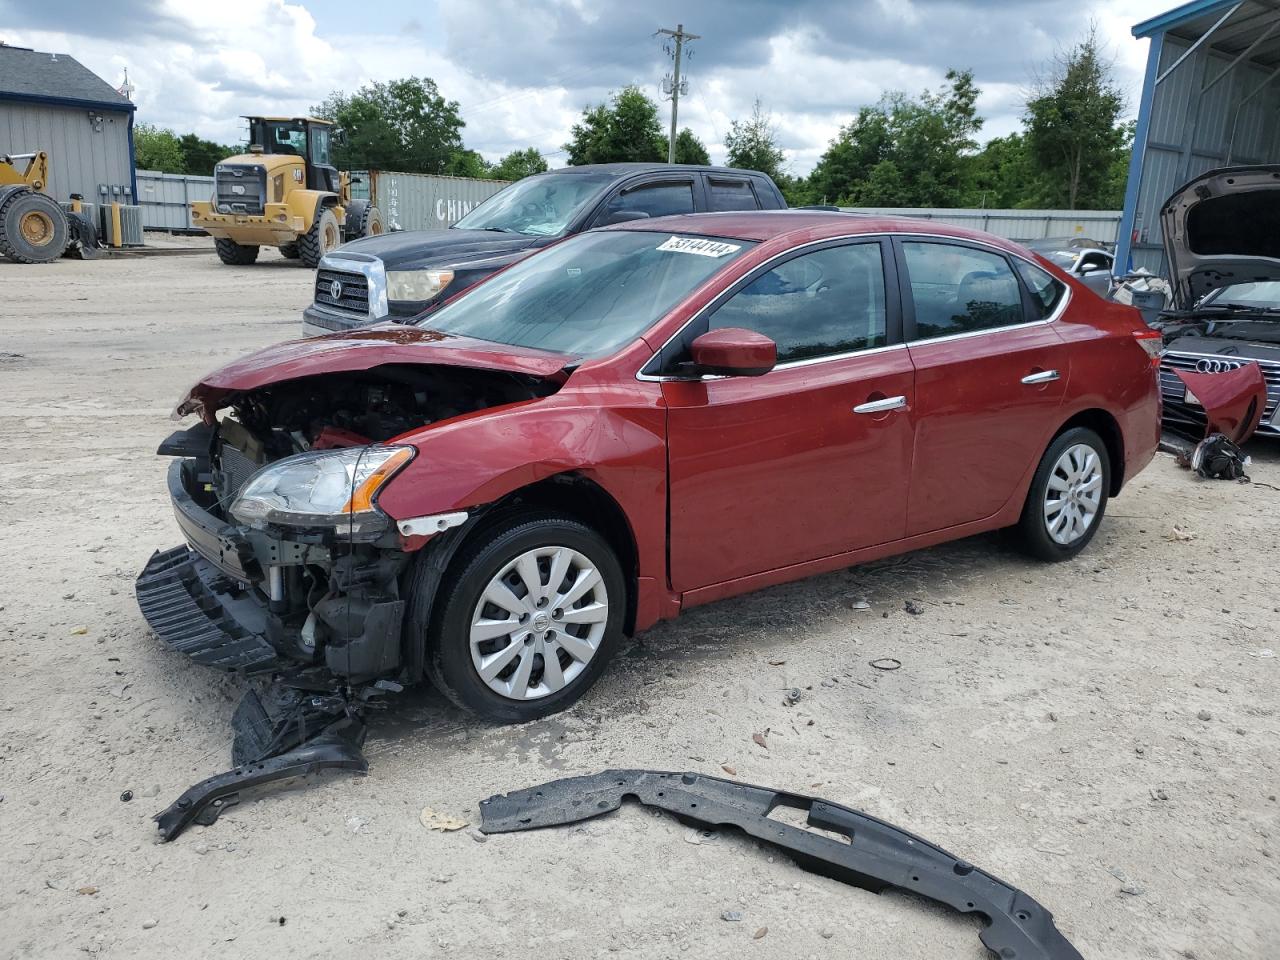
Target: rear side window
1046	291
959	289
732	195
820	304
654	199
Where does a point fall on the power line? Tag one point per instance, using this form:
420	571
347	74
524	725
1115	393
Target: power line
680	38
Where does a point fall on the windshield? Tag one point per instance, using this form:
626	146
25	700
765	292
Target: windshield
279	136
588	295
1063	258
540	206
1260	295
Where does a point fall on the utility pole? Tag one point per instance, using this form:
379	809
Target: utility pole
680	37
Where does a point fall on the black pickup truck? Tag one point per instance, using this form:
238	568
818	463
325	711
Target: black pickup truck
399	275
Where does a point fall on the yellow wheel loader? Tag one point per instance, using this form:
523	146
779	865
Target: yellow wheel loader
33	228
283	193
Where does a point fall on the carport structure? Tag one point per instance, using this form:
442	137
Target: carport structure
1210	99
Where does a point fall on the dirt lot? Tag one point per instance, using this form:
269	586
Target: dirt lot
1101	733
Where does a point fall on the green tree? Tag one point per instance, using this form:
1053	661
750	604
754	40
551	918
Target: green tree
468	163
905	152
402	125
752	144
518	164
156	148
689	149
1073	128
1002	175
622	130
200	156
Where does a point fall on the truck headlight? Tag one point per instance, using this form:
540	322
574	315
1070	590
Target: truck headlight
328	488
416	284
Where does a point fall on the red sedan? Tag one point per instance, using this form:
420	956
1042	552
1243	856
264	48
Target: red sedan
634	421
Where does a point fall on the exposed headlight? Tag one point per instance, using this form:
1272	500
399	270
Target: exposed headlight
416	284
329	488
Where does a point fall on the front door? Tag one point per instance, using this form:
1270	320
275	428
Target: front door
811	459
990	378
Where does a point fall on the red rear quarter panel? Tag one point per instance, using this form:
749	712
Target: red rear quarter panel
1111	371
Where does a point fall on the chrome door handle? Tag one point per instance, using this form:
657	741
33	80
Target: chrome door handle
880	406
1044	376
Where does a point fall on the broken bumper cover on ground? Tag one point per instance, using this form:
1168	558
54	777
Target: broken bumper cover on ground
877	855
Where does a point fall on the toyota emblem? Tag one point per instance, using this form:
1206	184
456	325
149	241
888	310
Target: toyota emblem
1210	365
335	289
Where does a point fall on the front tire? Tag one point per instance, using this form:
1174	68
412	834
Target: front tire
33	229
526	620
324	236
235	254
1068	496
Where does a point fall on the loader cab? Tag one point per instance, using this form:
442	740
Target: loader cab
303	137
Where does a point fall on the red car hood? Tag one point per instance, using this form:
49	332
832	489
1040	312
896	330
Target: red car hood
362	349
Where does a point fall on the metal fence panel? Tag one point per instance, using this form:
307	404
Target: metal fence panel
166	198
418	201
1019	225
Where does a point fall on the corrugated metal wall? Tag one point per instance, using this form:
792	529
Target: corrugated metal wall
1021	225
165	198
1190	134
417	201
83	155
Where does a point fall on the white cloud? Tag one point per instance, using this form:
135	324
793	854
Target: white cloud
199	66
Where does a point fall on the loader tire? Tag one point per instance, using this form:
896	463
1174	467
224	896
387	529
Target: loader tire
363	220
235	254
33	229
324	236
289	251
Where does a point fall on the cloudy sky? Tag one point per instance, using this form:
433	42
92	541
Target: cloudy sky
523	71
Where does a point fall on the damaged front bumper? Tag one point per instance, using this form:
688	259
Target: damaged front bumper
870	853
270	601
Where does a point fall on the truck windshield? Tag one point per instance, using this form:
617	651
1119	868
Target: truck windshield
538	206
590	294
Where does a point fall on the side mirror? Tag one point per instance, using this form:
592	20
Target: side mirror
623	216
734	352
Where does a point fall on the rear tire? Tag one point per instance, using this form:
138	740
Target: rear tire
1067	498
235	254
371	222
289	251
581	632
33	229
324	236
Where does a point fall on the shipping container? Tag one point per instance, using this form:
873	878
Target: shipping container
1018	225
419	201
166	198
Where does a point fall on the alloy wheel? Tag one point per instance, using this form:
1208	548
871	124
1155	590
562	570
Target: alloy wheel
538	623
1074	494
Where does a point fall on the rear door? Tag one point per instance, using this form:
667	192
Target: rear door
726	192
991	372
811	459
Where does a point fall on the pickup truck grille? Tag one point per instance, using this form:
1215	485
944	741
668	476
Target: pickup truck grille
1173	391
340	290
240	189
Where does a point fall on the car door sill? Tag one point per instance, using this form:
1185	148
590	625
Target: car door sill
1006	516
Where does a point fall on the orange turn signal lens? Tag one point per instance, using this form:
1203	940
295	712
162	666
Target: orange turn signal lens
362	498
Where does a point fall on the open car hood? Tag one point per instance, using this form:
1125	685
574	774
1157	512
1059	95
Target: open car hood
363	349
1221	228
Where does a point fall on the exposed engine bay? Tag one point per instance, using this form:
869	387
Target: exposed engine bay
351	409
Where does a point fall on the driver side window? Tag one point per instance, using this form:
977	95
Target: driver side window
819	304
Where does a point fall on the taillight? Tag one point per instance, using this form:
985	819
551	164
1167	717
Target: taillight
1151	341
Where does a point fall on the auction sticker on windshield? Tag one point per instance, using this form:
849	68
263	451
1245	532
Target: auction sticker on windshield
699	245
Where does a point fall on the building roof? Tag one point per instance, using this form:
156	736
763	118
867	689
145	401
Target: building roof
54	78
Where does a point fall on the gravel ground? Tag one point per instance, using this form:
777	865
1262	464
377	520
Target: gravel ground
1102	733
